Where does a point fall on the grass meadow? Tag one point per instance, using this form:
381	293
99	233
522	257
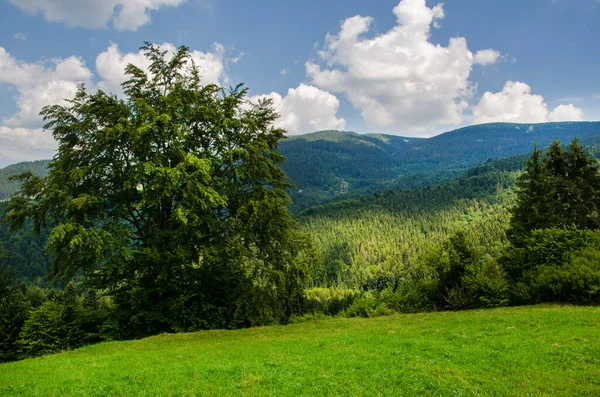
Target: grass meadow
520	351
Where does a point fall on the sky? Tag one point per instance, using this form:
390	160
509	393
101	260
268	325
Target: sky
409	67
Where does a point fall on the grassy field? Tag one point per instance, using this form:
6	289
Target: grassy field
525	351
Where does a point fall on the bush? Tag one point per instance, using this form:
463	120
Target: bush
366	306
458	298
61	323
576	281
486	284
329	301
308	317
411	297
546	247
14	310
555	265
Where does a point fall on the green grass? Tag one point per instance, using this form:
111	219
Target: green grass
540	350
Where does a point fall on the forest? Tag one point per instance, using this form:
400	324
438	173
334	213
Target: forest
169	212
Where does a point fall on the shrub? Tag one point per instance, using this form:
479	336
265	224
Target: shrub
366	306
61	323
308	317
411	297
458	298
546	247
14	310
575	281
329	301
486	284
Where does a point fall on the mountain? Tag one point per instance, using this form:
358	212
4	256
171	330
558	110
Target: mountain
327	165
7	187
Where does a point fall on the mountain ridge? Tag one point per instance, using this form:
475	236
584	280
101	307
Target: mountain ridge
329	164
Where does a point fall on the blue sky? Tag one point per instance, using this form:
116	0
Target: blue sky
410	67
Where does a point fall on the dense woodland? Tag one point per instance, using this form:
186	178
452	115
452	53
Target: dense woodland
168	212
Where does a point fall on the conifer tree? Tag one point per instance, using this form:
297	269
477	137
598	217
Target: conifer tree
560	188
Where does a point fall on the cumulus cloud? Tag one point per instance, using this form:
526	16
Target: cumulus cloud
35	85
305	109
122	14
40	84
399	80
566	113
486	57
516	104
111	64
24	144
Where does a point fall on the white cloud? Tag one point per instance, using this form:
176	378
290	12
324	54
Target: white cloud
516	104
122	14
486	57
40	84
24	144
111	64
305	109
20	36
285	71
32	138
399	80
566	113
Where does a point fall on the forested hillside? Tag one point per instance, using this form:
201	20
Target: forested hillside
384	236
8	187
332	164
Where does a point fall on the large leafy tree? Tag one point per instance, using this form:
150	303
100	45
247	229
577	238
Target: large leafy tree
170	199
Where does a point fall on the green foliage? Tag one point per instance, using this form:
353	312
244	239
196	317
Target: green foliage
554	229
14	310
546	247
487	283
380	241
25	257
557	189
172	200
411	296
329	301
466	278
576	281
575	278
63	323
367	306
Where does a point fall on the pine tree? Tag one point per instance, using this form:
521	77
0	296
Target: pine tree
532	206
558	189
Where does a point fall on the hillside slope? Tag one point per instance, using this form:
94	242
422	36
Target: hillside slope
7	187
332	164
363	241
539	350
